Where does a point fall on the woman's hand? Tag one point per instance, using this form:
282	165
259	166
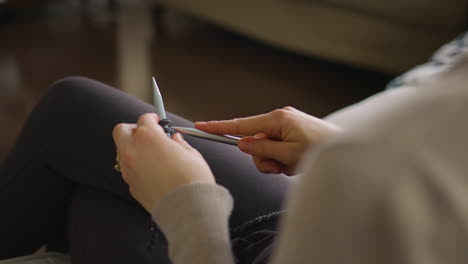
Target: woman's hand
153	164
276	140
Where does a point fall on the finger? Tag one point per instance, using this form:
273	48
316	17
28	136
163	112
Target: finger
267	165
180	139
125	175
238	126
292	109
288	171
148	119
122	133
148	126
284	152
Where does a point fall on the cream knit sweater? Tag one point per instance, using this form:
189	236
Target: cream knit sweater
392	189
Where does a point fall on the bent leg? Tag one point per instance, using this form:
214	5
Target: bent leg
33	209
106	229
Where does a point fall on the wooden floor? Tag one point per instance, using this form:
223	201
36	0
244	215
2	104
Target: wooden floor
204	72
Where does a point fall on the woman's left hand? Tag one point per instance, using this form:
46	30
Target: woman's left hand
153	164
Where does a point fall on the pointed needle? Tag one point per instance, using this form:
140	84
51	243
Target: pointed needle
158	102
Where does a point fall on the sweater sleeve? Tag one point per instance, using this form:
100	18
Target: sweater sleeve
362	204
194	218
332	215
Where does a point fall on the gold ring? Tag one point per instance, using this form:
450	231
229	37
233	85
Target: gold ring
117	164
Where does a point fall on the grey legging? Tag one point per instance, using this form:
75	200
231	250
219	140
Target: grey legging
58	186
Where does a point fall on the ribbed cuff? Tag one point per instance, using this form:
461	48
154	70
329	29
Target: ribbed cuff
194	219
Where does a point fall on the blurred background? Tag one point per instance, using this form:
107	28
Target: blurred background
217	59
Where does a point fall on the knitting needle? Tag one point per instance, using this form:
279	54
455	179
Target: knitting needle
228	139
158	103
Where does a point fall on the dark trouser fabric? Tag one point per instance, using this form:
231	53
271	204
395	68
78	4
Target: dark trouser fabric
58	185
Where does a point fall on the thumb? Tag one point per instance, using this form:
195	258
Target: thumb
284	152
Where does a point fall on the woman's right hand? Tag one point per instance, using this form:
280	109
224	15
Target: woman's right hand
276	140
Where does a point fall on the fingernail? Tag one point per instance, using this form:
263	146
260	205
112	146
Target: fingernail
179	136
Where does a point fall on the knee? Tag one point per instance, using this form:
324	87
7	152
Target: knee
77	89
68	87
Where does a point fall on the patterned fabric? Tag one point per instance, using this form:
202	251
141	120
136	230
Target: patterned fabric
252	242
255	248
443	60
